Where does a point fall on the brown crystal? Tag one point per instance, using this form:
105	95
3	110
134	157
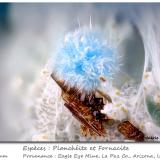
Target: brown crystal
83	114
130	131
85	108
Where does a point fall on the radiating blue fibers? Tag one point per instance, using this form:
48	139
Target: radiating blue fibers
83	57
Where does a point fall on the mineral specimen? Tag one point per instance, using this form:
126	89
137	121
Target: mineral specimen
130	131
85	108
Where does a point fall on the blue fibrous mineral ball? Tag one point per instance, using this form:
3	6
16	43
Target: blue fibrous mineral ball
83	57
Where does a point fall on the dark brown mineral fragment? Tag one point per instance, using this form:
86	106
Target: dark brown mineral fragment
130	131
85	107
